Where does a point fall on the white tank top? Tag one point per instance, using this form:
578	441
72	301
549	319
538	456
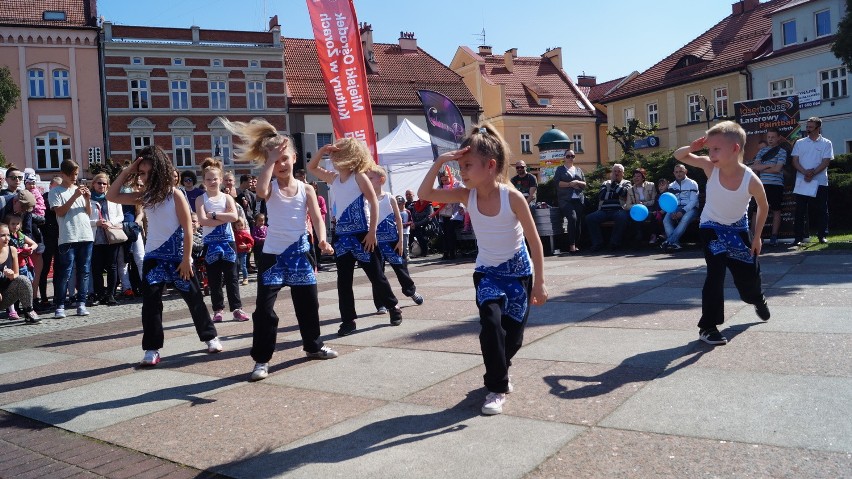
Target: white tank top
286	218
724	206
498	237
162	223
344	195
218	205
385	207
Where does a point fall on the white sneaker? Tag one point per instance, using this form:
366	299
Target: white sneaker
214	346
493	404
260	371
59	313
82	311
324	353
151	358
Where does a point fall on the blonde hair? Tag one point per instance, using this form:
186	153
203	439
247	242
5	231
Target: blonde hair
487	142
730	130
379	170
256	137
212	164
353	155
104	176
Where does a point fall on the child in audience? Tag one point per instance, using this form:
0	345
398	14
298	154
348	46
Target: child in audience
245	243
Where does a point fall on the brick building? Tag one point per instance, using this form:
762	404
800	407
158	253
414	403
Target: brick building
168	86
51	50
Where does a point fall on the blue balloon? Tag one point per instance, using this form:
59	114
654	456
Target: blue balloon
668	202
638	212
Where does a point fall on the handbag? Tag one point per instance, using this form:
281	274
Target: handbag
113	234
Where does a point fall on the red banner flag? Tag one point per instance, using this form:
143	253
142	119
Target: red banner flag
341	60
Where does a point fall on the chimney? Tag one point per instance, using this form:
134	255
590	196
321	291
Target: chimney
587	80
737	8
196	34
273	22
750	5
484	50
407	42
555	56
508	56
107	27
366	31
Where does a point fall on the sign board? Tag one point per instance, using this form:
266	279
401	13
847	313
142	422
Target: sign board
548	161
647	142
810	97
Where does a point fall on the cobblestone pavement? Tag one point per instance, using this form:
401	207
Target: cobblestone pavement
611	382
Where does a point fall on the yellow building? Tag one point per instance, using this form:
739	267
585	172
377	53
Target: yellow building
697	85
523	97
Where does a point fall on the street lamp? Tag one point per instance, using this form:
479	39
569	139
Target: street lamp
706	109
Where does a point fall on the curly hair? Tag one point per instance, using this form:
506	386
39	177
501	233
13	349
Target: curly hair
160	182
485	141
255	137
353	156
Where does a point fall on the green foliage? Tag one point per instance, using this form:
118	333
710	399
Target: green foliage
840	191
842	46
9	96
109	167
626	135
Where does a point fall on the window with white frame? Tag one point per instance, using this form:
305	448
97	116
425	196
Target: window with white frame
218	95
720	97
222	146
788	32
781	87
629	114
216	62
61	84
693	107
578	143
526	144
180	94
36	80
833	83
136	61
51	149
182	150
139	94
254	63
140	142
255	95
178	62
823	23
653	114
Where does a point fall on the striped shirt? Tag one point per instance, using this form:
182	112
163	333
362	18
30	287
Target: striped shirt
766	177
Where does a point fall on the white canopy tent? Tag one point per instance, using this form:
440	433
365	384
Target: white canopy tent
406	154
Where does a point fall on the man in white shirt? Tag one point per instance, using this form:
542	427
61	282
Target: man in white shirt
811	156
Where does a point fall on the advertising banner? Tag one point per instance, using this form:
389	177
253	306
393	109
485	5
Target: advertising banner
444	121
341	60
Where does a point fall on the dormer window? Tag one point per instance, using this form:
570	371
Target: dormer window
788	32
53	16
686	61
544	101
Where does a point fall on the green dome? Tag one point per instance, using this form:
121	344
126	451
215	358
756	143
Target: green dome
554	139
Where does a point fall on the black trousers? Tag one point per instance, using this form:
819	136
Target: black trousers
51	246
382	291
152	310
449	227
820	204
265	321
500	338
573	211
104	259
218	270
746	279
404	278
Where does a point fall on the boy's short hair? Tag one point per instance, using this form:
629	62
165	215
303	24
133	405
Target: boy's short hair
730	130
68	167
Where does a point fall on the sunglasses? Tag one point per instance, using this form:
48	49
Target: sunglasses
187	179
569	156
102	183
16	178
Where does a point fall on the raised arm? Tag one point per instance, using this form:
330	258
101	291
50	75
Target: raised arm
114	193
427	188
685	155
314	165
264	179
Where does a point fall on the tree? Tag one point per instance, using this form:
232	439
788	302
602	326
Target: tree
9	96
625	136
842	46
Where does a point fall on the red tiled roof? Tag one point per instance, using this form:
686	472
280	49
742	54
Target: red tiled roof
400	74
547	80
78	13
597	92
724	48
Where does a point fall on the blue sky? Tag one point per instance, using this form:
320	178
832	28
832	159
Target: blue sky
607	38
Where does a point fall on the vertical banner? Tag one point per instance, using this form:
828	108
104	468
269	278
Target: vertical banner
756	116
341	60
443	120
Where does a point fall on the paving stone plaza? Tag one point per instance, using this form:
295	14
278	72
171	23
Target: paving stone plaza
611	382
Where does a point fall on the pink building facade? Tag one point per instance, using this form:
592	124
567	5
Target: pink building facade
51	50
